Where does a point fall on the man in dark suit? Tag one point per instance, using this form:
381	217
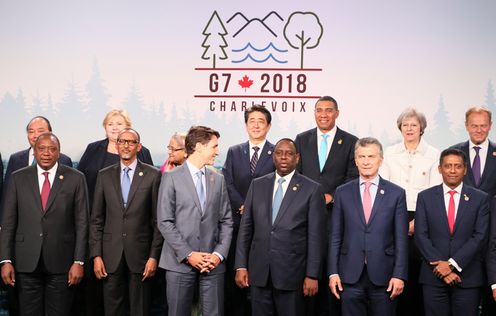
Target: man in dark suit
451	228
326	156
44	234
279	247
481	171
491	256
245	162
125	243
194	216
368	247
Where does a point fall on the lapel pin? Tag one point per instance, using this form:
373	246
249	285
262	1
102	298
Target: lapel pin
381	191
61	177
465	197
140	174
340	141
295	188
270	152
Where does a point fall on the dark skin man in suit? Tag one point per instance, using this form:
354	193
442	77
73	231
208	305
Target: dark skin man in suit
42	247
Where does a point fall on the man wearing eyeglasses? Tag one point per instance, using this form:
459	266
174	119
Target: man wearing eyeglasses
125	243
327	157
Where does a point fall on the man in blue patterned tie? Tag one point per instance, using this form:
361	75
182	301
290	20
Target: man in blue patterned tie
282	231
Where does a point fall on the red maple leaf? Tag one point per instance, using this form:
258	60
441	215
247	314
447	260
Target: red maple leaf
246	82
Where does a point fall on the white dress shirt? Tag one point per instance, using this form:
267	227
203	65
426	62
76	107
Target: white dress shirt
51	175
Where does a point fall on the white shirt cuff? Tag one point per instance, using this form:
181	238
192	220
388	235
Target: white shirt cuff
454	264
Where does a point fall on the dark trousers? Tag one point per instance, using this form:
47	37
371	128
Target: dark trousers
365	298
268	301
88	298
124	292
410	302
451	301
43	293
488	303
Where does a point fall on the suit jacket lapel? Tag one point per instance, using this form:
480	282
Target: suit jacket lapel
313	148
490	162
357	200
116	182
469	176
55	187
209	187
440	208
379	196
245	155
294	186
335	148
35	188
462	208
265	156
137	179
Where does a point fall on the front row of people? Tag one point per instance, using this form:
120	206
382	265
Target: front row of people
281	240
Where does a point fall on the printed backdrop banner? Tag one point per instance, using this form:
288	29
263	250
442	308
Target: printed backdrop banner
173	64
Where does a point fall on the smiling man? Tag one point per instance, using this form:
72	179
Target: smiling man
279	247
368	247
451	229
194	216
45	232
245	162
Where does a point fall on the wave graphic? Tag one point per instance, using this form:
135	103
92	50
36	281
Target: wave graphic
248	56
249	45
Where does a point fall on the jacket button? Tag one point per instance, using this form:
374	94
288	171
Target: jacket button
41	234
124	235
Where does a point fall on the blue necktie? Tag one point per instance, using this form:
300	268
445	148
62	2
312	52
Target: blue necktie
199	189
476	167
323	151
125	185
276	204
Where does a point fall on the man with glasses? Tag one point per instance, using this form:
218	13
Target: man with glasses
125	243
327	157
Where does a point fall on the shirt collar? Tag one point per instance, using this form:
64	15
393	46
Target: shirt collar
458	189
132	166
331	133
261	145
484	145
52	170
193	169
287	177
373	181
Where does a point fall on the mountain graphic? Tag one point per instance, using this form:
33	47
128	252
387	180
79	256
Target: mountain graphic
263	22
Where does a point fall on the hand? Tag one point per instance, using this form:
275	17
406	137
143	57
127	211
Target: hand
212	261
8	274
241	209
310	286
241	278
150	268
411	227
395	287
442	268
198	260
494	294
335	285
99	268
452	279
76	273
328	198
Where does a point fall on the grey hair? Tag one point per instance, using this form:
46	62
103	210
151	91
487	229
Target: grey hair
411	112
366	141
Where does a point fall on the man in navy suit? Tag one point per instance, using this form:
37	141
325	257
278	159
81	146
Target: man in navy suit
368	247
279	247
244	162
481	172
451	229
326	156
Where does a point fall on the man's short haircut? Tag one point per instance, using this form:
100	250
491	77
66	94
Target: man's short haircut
455	152
258	108
286	140
198	134
478	109
409	113
41	118
47	135
129	130
117	112
328	98
367	141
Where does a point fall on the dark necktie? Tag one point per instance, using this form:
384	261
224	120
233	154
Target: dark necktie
451	211
125	185
476	167
254	160
45	191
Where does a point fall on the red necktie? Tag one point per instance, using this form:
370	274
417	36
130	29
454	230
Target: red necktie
367	202
45	191
451	211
